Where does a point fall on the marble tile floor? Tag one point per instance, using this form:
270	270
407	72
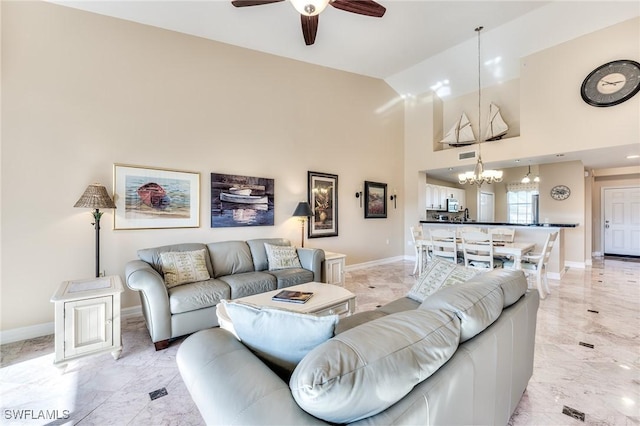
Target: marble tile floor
597	306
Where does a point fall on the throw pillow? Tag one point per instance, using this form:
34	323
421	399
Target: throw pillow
438	274
282	257
182	267
278	336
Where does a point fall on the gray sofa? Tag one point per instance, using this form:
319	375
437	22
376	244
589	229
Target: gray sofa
366	374
236	268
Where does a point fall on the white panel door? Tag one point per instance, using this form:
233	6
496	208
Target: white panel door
487	207
622	221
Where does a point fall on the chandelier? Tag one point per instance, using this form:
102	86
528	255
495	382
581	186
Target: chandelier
479	175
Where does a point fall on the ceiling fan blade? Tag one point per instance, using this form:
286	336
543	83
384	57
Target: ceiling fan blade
244	3
361	7
309	28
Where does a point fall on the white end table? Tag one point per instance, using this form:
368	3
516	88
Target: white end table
333	268
87	318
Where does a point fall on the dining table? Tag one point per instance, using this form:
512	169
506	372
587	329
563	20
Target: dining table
515	250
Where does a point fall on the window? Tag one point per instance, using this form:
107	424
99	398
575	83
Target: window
520	202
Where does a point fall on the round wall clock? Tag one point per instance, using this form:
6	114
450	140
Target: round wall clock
612	83
560	192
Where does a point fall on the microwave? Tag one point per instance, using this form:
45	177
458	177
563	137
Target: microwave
452	205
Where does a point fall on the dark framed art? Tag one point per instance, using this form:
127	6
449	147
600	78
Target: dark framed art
238	200
375	200
323	199
153	198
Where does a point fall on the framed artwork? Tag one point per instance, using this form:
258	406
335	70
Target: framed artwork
323	199
375	200
241	201
150	198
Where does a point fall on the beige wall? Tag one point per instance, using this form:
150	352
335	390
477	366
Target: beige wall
83	91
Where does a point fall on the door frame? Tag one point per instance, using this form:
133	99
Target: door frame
602	210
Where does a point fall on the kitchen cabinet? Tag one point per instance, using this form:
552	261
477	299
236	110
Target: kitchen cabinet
436	196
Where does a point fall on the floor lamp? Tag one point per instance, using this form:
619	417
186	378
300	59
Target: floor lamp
96	197
303	211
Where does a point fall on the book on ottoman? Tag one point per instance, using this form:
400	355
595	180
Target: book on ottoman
292	296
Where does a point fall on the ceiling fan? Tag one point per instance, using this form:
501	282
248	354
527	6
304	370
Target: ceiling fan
310	9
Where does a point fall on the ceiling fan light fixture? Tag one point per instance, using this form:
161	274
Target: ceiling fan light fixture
310	7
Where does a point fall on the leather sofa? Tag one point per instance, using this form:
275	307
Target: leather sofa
236	268
480	381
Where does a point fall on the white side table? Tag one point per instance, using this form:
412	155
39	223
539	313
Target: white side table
87	318
333	268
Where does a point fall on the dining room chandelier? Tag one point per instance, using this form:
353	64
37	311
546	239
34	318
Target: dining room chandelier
479	175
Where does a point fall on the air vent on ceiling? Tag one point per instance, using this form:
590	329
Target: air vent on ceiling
466	155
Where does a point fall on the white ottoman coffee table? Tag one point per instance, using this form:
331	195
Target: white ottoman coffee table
327	299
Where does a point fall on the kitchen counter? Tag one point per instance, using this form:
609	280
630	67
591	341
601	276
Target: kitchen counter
471	223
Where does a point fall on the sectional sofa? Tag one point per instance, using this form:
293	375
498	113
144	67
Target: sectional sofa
462	356
231	269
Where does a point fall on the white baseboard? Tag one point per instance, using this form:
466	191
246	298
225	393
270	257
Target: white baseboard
364	265
577	265
597	254
47	328
24	333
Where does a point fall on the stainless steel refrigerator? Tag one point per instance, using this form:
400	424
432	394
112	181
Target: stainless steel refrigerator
535	209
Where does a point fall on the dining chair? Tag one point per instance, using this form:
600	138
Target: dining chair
462	229
477	248
503	235
421	247
444	245
535	265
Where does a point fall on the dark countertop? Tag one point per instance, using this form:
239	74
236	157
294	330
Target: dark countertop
539	225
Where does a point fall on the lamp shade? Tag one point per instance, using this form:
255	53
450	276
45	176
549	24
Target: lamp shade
95	197
303	210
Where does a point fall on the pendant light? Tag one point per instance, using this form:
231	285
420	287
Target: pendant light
479	175
527	177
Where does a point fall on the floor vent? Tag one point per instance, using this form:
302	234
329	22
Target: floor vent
466	155
158	393
572	412
586	345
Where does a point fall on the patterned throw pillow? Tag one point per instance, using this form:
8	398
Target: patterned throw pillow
282	257
438	274
182	267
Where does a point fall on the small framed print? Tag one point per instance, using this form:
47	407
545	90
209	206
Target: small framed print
150	198
323	199
375	200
